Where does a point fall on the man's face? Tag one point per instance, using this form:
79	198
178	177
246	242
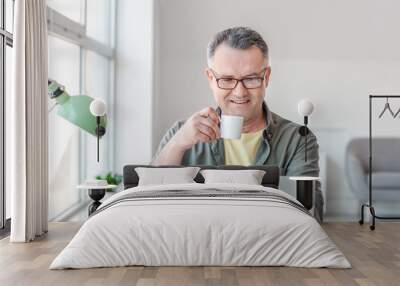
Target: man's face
238	64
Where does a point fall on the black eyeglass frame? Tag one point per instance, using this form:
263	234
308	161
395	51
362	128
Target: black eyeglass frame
217	79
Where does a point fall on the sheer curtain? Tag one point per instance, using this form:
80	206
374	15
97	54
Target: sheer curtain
28	123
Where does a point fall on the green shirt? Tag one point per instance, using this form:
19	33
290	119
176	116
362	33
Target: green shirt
281	145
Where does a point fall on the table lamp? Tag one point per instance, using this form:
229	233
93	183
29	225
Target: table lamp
304	184
98	109
305	108
81	110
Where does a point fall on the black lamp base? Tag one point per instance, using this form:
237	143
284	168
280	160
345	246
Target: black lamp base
96	195
304	130
304	193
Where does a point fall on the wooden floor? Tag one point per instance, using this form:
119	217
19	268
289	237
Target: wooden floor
375	257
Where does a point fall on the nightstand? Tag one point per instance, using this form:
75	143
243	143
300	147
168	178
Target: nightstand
96	193
305	190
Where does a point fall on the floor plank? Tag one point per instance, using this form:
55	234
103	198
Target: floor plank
375	257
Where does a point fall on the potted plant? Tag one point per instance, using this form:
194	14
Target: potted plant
112	179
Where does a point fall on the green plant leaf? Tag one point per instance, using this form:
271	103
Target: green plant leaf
112	179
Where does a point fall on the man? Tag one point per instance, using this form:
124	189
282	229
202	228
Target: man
238	73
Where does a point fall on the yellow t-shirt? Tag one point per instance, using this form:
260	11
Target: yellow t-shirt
242	151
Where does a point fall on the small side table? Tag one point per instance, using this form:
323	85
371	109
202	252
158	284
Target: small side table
305	190
96	193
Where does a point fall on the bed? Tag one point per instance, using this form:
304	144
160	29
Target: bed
201	224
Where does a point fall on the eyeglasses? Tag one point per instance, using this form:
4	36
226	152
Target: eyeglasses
230	83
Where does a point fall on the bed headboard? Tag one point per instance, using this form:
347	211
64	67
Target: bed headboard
270	179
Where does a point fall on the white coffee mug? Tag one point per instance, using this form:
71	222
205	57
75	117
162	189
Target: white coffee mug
231	126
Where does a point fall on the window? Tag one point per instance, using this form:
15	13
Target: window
64	66
6	43
81	58
96	27
72	9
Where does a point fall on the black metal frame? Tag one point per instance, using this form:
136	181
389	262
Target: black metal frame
369	205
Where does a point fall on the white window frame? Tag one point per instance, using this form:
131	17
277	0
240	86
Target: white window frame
6	39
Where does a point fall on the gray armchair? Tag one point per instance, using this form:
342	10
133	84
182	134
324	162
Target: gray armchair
385	168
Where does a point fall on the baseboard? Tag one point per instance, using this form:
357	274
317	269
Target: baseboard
70	212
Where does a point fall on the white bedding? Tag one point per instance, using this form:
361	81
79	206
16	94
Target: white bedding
200	231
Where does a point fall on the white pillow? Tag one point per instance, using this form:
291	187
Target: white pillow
249	177
161	176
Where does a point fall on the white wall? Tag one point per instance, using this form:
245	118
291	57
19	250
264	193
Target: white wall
134	83
335	53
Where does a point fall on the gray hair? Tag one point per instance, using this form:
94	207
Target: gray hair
238	38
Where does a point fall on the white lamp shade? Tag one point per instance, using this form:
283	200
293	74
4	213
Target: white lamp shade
98	107
305	107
